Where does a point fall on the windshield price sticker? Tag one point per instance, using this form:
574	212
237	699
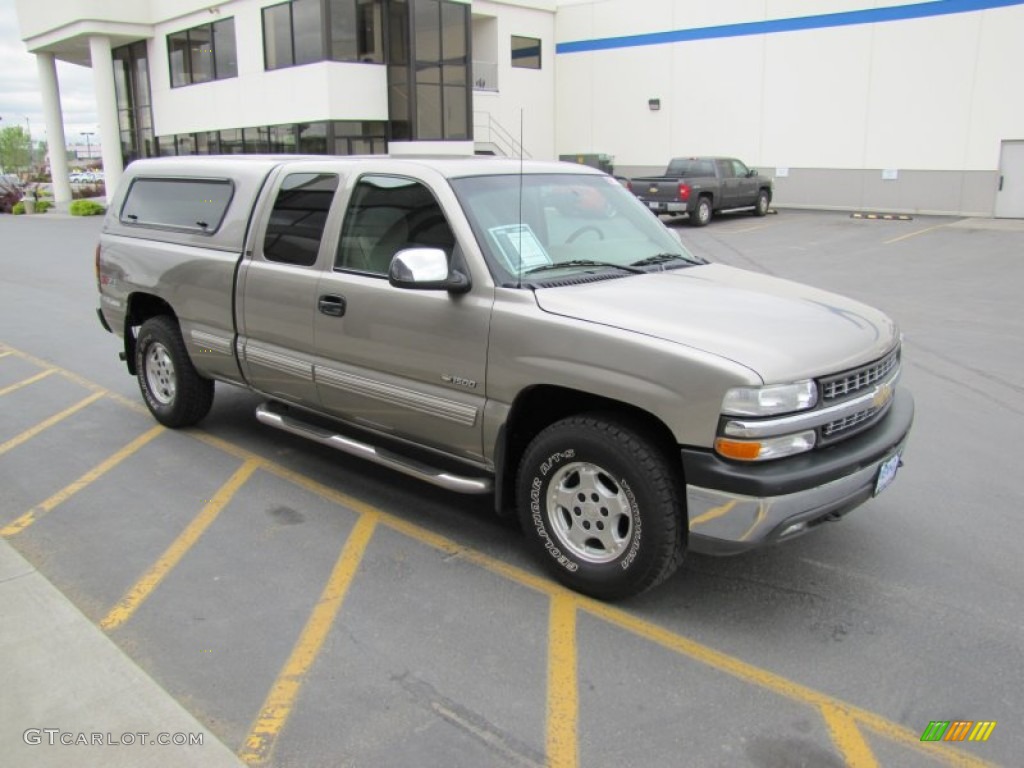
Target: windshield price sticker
519	247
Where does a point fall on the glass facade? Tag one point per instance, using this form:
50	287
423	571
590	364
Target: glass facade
327	137
306	31
428	70
134	110
426	45
204	53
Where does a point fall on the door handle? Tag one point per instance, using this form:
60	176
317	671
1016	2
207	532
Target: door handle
1000	182
332	305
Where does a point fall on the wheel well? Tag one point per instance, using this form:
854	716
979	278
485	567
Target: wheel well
538	407
141	307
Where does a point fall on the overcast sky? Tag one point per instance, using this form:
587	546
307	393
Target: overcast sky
19	86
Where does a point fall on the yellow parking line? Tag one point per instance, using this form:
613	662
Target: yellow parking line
6	353
731	665
563	691
667	639
28	434
144	587
85	480
279	702
914	234
29	380
848	738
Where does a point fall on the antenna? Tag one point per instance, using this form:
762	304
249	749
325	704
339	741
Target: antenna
519	276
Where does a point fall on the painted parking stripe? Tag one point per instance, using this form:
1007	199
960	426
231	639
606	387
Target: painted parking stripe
30	517
278	705
26	382
847	737
723	662
684	646
563	689
144	587
28	434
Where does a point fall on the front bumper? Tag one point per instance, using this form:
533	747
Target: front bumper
734	507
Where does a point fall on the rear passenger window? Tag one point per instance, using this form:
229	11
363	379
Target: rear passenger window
298	218
192	204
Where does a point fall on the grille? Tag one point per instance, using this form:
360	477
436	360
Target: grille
833	428
851	382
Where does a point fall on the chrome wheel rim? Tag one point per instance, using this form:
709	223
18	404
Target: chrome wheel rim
589	512
160	374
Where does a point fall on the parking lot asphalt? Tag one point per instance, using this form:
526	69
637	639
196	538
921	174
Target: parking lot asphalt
302	608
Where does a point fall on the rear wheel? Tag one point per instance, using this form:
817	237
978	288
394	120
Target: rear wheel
174	392
599	505
701	215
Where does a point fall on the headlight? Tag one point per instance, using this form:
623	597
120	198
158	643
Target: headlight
771	399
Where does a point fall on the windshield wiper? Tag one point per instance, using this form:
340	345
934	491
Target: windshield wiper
583	263
662	258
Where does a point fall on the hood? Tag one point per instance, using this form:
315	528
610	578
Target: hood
782	330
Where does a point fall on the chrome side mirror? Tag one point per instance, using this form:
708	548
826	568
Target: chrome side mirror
425	269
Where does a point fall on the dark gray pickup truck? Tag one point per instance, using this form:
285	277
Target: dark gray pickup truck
703	186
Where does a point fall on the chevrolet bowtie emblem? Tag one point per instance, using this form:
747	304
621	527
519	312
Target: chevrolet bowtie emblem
882	396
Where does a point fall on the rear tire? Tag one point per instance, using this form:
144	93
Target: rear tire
600	506
174	392
701	215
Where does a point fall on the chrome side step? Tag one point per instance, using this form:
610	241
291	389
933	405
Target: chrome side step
385	458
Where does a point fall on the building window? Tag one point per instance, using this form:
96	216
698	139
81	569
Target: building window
131	88
429	48
525	52
204	53
306	31
337	137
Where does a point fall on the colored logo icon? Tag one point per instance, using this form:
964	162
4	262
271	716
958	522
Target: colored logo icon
958	730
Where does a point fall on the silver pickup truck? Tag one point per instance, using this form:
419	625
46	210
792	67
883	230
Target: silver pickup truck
527	330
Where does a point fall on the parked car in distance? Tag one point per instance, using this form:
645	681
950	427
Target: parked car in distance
85	177
702	186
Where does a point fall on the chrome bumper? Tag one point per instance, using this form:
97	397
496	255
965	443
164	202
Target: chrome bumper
751	508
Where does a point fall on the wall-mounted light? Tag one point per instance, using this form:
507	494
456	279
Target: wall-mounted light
654	104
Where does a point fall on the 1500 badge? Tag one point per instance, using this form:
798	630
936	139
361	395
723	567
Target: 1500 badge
458	381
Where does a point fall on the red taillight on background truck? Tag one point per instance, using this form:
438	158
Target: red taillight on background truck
684	192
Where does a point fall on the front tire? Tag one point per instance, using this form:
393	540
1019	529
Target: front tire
763	201
701	215
174	392
600	506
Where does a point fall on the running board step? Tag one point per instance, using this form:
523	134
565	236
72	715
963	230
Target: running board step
385	458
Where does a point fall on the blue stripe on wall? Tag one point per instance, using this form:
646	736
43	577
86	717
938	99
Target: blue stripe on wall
844	19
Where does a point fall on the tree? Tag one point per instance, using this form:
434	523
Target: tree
15	149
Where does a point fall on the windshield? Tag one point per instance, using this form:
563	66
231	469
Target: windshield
540	228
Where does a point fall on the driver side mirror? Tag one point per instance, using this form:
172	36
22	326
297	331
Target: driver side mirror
425	269
752	173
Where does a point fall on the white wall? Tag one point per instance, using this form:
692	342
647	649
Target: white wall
527	91
933	93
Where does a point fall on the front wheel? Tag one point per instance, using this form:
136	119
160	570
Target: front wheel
600	506
763	201
174	392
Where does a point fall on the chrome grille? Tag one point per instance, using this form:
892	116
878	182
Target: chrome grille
853	420
851	382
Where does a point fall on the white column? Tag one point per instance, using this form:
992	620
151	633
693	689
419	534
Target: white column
106	110
55	142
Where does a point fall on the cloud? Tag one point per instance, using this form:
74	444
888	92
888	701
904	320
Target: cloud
20	95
